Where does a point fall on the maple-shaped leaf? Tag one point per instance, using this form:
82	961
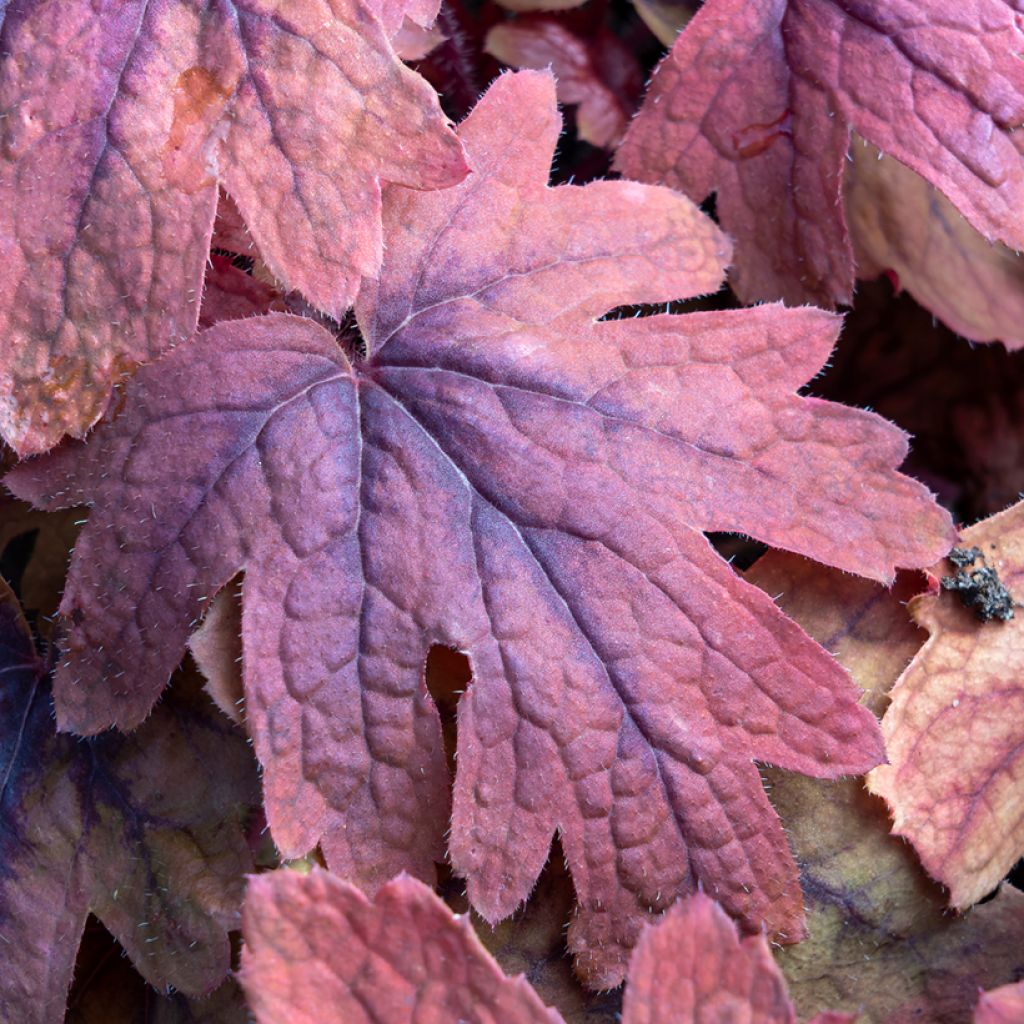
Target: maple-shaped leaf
146	831
1003	1005
317	950
880	938
596	71
756	102
903	226
955	728
118	119
497	470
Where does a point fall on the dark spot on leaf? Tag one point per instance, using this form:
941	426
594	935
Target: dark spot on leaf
980	589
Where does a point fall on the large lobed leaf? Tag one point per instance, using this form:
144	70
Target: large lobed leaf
955	728
117	120
507	475
757	99
146	831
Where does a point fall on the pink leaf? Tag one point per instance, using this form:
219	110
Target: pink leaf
497	470
756	102
118	121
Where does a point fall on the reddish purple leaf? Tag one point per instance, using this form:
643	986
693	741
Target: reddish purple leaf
595	71
117	120
1003	1005
317	951
756	102
693	967
502	473
146	831
231	294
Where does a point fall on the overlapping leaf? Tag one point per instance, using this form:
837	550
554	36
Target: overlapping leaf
902	225
955	728
880	939
596	72
1003	1006
505	474
757	99
146	831
962	404
117	120
693	967
317	950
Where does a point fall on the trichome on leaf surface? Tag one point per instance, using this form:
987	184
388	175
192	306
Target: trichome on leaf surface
308	383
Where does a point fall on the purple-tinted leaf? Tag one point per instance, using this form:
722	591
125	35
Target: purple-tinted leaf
146	831
503	473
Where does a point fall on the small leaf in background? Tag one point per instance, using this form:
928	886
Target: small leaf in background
903	226
108	990
229	293
1002	1006
499	471
596	71
756	103
118	121
955	728
880	940
317	951
145	831
216	648
692	967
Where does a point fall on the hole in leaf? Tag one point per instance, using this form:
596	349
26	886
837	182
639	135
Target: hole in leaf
447	674
739	551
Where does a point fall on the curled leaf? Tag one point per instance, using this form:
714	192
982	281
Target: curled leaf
955	728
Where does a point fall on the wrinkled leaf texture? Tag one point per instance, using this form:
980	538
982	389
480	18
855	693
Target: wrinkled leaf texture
757	99
317	950
117	120
136	829
507	475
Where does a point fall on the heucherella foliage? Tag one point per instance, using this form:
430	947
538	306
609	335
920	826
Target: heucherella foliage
497	469
118	118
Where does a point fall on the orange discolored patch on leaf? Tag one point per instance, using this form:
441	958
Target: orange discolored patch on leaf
317	951
955	729
756	102
901	224
117	121
1001	1006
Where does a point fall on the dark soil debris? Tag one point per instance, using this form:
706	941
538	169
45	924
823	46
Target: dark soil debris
980	589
